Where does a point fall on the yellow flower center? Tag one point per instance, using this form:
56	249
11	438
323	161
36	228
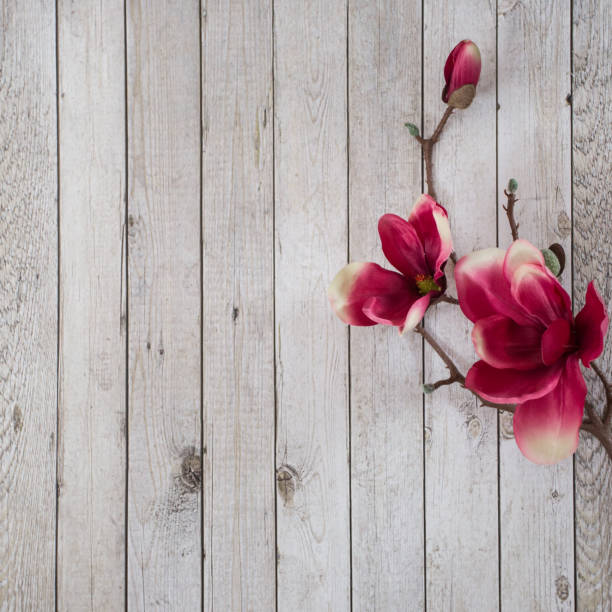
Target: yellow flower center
426	283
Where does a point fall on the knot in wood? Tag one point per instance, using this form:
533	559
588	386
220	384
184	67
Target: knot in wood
286	480
474	427
562	587
191	471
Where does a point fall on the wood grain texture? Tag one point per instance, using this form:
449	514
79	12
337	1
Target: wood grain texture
28	305
91	421
238	351
312	458
536	502
592	249
460	436
164	481
386	369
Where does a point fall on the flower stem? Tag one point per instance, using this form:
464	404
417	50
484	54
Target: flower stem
449	299
598	428
427	145
595	425
512	200
455	374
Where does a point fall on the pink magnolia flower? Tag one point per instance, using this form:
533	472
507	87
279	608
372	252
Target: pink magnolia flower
530	345
363	293
461	73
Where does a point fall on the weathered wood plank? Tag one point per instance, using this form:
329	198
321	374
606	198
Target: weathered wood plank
461	436
164	479
592	129
238	351
386	369
313	509
91	421
28	305
536	502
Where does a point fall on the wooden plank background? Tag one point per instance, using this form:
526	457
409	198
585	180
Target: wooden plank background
185	425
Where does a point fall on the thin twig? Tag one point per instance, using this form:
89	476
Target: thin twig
452	368
605	441
455	374
436	135
449	299
441	383
593	416
598	428
593	424
512	200
427	145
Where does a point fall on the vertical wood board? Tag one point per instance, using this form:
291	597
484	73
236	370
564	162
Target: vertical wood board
91	421
386	369
460	436
312	446
28	305
536	502
164	437
238	325
592	251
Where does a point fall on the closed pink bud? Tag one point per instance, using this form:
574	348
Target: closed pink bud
461	73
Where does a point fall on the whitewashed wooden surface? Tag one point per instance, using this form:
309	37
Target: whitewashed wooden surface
184	423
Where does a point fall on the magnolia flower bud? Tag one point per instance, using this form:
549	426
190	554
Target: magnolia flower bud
461	73
427	389
512	185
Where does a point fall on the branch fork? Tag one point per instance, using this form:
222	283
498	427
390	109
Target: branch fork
597	426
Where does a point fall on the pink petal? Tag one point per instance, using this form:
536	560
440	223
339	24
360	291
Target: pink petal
389	309
358	283
483	290
510	386
416	313
502	343
540	294
430	220
591	326
402	246
462	67
556	340
521	252
546	429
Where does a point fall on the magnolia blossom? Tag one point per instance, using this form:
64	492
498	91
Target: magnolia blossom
461	73
364	293
530	345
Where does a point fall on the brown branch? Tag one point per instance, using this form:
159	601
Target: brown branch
448	362
593	424
598	428
436	135
512	200
427	145
455	374
449	299
441	383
